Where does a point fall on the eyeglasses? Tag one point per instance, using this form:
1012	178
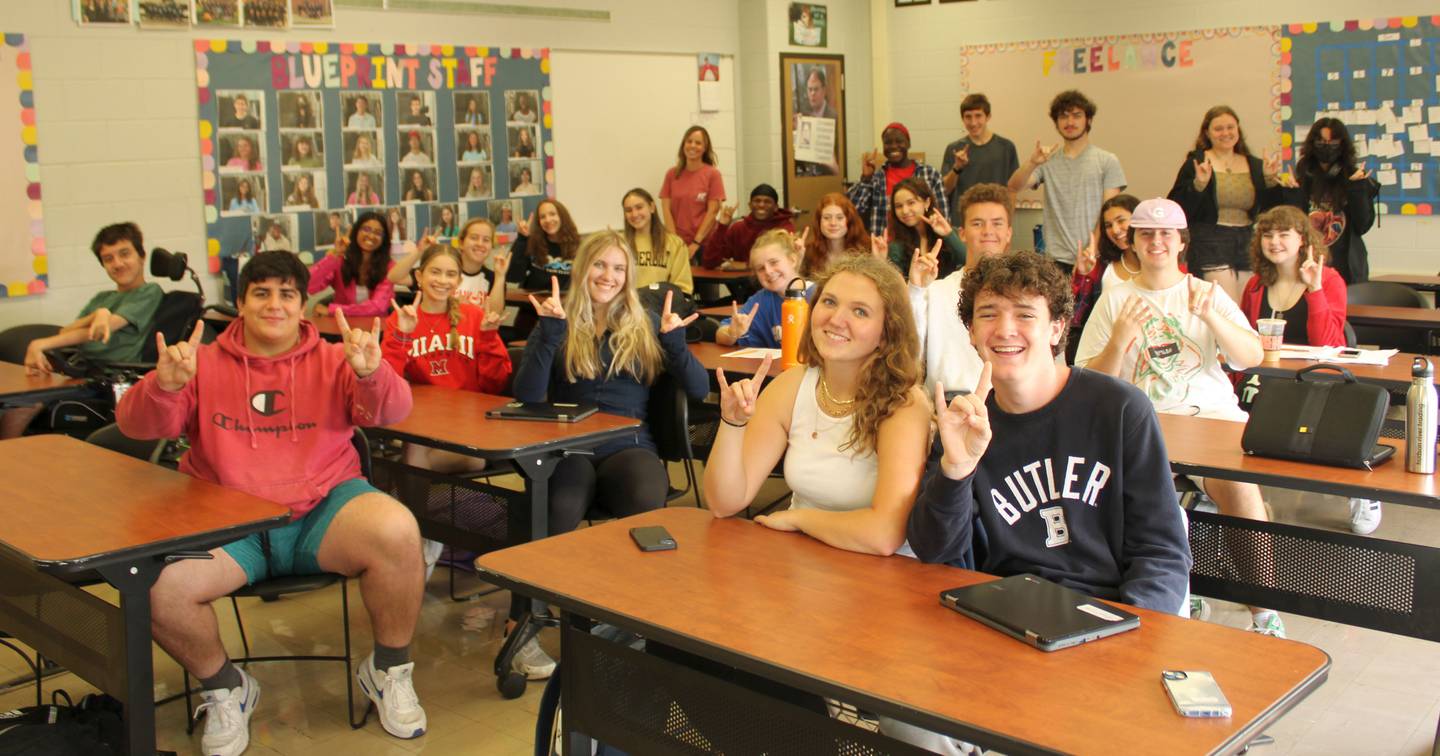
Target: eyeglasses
371	230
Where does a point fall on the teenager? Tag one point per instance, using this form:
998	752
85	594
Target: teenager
476	241
357	270
1106	261
244	157
693	190
362	193
240	116
296	452
734	240
659	254
474	151
881	171
364	153
244	200
303	154
1076	178
837	231
1222	187
1339	195
775	261
415	152
418	189
917	222
303	193
551	250
361	118
1166	331
979	157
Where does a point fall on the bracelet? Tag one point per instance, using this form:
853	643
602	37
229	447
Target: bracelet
734	425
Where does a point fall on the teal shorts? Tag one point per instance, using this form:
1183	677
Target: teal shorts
295	547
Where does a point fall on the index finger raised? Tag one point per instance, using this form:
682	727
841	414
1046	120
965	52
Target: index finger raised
665	309
197	333
982	387
764	369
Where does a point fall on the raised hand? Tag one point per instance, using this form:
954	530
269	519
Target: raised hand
100	325
492	321
362	347
1360	174
1087	256
1043	153
1203	171
939	223
341	242
1311	271
725	215
925	267
879	247
1202	297
1273	166
552	307
870	162
322	310
1131	320
737	400
740	321
962	158
801	241
964	427
175	364
522	225
669	321
408	316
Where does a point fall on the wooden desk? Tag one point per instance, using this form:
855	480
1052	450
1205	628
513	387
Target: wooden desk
1420	283
1392	376
712	356
329	327
718	311
17	387
122	518
522	296
717	275
1422	318
871	632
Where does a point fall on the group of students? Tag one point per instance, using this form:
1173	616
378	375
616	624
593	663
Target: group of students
933	414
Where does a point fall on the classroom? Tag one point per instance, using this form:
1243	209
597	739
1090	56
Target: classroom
423	126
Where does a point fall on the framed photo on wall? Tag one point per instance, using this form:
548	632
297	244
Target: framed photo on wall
809	25
812	107
908	3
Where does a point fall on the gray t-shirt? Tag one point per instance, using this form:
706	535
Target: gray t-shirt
990	163
1074	190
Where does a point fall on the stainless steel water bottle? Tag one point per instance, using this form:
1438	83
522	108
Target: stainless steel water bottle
1420	418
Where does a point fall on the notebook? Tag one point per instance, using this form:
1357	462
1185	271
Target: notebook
1040	613
547	411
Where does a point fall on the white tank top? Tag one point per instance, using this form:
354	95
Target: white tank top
817	472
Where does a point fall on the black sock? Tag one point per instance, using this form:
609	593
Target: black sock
387	657
227	678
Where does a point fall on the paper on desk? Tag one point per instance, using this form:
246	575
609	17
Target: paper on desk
1337	355
754	353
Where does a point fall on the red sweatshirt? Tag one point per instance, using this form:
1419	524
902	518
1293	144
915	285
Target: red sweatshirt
430	355
1325	309
276	427
733	242
326	274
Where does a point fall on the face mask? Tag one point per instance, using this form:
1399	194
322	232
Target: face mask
1327	153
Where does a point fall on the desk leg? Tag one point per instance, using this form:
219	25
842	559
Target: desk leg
134	582
536	470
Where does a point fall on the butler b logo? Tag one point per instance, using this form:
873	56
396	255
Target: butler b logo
267	403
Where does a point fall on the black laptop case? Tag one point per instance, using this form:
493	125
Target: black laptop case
1322	420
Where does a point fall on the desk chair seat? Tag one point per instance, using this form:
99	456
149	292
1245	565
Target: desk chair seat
668	415
16	339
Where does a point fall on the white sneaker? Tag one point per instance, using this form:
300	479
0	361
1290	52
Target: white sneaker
1199	609
393	694
1364	516
1267	623
432	551
227	717
533	662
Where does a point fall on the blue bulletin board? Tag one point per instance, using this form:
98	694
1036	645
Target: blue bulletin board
303	136
1380	78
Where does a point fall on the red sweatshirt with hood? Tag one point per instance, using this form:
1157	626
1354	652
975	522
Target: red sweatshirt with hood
276	427
733	242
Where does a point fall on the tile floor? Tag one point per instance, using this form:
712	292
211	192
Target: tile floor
1381	697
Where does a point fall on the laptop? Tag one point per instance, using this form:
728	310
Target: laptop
554	412
1040	613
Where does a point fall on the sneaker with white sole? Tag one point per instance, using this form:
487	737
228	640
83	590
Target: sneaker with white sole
1199	609
1267	623
533	662
1364	516
227	717
393	694
432	551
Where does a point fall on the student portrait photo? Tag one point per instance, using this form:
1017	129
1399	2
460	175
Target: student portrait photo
304	190
328	226
416	108
525	177
364	188
417	147
243	194
272	232
241	109
472	108
503	214
302	149
473	145
361	110
523	141
267	14
363	149
476	181
241	151
418	185
300	110
522	106
217	12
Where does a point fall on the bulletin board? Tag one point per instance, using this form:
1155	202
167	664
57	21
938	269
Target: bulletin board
304	136
1380	78
1133	80
22	228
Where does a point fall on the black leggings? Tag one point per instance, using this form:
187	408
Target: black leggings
627	482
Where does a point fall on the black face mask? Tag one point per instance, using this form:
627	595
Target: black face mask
1327	153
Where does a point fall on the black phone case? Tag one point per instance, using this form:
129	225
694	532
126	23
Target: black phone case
653	538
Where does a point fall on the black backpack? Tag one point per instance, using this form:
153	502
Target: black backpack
94	727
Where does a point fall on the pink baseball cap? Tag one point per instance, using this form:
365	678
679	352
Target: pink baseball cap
1158	213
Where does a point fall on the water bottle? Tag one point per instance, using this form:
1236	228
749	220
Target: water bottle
794	314
1420	418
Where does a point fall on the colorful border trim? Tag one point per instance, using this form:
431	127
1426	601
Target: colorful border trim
23	77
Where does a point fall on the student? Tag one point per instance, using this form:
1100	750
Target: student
473	116
1105	262
303	155
1058	472
356	269
917	222
1222	187
557	243
1339	195
361	118
244	158
240	116
988	211
646	234
297	453
879	175
415	154
275	239
303	193
524	144
364	152
525	183
775	260
304	117
113	325
418	189
476	240
524	109
599	345
734	240
836	231
478	185
980	157
852	424
474	150
362	194
244	199
416	115
1076	179
693	190
1165	331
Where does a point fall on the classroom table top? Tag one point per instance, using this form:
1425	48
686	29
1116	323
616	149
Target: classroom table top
1402	317
63	521
522	296
455	420
712	356
718	311
718	275
1208	447
870	631
15	382
329	327
1393	375
1414	281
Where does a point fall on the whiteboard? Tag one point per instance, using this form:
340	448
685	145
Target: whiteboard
618	121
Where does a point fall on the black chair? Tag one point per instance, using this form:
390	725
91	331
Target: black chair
668	416
110	437
37	666
1389	295
16	339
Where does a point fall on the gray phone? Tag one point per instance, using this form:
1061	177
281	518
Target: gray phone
1195	693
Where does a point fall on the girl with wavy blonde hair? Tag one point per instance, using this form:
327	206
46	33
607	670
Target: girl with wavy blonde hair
852	422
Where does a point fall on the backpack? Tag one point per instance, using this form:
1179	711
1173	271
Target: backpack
94	727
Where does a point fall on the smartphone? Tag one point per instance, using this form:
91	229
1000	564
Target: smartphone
1195	693
653	538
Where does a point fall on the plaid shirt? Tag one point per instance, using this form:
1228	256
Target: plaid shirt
873	204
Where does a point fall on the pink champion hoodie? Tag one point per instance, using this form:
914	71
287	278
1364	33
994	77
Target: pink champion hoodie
276	427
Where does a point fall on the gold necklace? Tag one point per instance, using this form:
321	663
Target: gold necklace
825	392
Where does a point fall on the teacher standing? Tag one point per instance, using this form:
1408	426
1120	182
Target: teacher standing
693	191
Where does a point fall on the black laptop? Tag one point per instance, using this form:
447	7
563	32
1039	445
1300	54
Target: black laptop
554	412
1040	613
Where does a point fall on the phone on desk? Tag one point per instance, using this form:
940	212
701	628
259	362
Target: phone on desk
1195	693
652	538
